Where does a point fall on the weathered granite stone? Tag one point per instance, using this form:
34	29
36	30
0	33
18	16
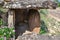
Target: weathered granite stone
33	36
30	4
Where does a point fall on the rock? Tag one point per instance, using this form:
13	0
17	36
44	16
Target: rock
33	36
28	36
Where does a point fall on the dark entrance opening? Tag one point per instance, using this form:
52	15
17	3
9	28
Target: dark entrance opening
21	23
26	20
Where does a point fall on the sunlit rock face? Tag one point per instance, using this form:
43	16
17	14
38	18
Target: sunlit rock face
29	0
33	36
49	4
30	4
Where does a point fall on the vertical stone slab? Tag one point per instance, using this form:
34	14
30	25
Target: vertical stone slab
10	18
34	21
14	18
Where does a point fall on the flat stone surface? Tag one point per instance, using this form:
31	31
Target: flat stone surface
33	36
30	4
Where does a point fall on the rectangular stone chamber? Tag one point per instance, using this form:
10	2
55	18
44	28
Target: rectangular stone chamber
24	15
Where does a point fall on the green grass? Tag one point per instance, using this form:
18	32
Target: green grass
43	14
3	10
1	21
43	24
1	38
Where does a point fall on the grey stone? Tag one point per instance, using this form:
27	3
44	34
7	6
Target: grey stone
33	3
34	36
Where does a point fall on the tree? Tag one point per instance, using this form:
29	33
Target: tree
58	2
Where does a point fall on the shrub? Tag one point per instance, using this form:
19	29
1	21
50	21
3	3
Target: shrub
7	32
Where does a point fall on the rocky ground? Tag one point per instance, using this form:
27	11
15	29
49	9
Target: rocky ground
33	36
54	20
54	13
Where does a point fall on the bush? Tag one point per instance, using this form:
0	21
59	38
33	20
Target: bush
7	32
1	21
